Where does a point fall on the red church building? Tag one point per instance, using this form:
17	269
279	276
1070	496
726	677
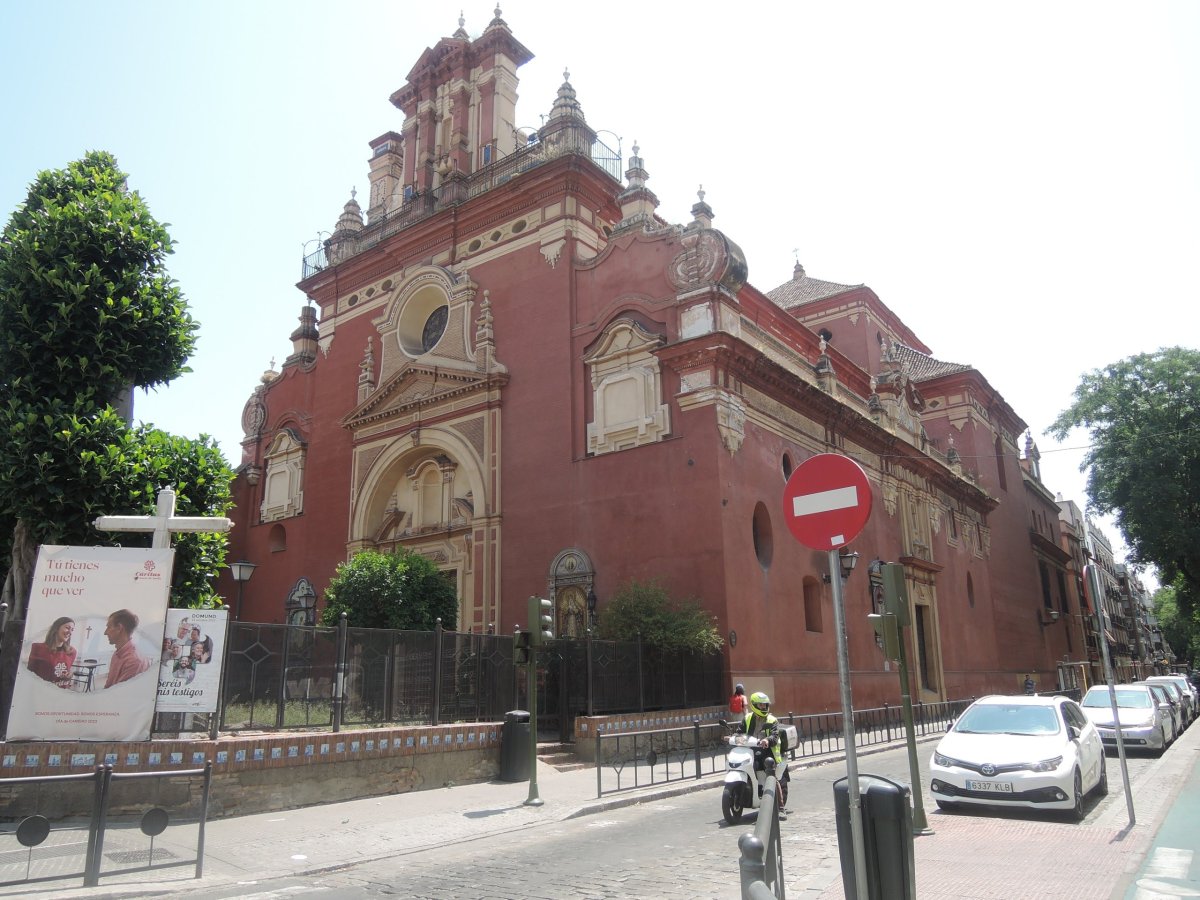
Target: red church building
512	365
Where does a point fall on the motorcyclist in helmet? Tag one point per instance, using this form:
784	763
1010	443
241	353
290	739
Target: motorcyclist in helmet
761	724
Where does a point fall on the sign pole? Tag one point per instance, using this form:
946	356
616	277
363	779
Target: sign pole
826	503
852	787
920	823
1091	580
533	799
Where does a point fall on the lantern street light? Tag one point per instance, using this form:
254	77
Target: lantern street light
848	560
241	572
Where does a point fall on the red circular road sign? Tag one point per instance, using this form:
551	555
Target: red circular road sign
827	501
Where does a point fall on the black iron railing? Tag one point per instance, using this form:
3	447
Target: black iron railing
629	760
128	810
281	677
458	188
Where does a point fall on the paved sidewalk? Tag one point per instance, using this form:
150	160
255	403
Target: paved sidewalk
968	856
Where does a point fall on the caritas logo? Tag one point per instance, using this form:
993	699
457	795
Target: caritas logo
149	572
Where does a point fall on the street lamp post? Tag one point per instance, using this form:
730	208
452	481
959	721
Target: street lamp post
241	572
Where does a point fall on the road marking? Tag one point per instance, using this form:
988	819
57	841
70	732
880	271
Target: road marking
1169	862
1149	889
825	501
282	892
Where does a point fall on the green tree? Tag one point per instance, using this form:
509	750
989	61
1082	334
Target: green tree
88	313
1142	415
646	608
1182	633
391	590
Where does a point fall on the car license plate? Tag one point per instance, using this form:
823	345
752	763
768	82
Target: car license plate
996	787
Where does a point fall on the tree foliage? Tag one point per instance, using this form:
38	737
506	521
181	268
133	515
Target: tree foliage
646	608
1142	415
87	314
391	590
1180	631
86	306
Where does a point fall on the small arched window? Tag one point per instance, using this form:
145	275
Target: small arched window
764	544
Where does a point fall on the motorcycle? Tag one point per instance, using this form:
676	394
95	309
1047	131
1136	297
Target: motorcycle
747	765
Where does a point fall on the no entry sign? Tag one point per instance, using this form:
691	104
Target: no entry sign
827	501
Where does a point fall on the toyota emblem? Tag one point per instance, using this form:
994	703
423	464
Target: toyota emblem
988	769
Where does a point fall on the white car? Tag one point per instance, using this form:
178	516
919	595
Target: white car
1185	688
1024	751
1143	721
1176	717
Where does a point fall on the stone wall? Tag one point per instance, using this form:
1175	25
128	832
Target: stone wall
254	773
587	727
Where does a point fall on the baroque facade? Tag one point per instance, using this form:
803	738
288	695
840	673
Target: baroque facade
509	362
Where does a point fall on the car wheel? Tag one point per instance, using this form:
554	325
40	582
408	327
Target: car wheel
1102	784
1077	810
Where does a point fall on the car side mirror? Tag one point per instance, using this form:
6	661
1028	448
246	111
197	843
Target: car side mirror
723	723
1164	706
1073	730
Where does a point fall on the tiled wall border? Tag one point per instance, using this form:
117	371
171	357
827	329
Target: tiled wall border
237	753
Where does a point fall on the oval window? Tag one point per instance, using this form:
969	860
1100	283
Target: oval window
435	327
764	545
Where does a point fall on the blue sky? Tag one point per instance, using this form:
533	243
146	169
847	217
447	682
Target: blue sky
1019	181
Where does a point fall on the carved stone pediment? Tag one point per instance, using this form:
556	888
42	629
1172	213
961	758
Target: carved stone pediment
420	386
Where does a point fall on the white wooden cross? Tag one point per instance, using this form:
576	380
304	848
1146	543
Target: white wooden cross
163	522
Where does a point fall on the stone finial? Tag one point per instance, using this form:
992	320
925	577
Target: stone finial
798	271
566	104
367	366
366	374
702	214
351	217
461	34
270	375
497	21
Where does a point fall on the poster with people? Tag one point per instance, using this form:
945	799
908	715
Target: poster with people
92	631
189	674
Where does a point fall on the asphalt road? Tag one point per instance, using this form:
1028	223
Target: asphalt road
676	847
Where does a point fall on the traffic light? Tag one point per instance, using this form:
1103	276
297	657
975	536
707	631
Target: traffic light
521	643
886	627
541	624
895	593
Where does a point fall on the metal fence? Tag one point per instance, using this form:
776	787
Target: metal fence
280	677
633	759
760	867
129	810
461	187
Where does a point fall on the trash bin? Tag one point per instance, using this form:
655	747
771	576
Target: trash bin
887	838
514	746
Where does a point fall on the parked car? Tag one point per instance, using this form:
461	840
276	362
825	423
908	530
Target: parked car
1185	688
1143	720
1034	751
1163	693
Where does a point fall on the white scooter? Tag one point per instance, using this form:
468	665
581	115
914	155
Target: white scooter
746	771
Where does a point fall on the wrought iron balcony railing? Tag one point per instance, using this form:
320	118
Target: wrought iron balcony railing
457	188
